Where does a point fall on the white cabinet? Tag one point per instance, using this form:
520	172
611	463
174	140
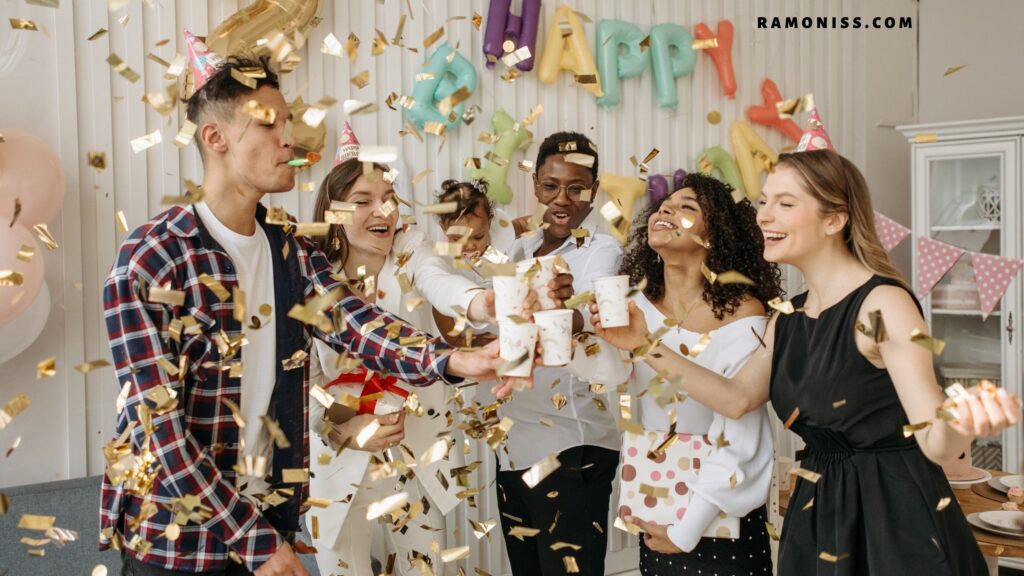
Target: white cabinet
967	192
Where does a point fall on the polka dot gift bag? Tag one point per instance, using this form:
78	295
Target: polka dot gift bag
654	478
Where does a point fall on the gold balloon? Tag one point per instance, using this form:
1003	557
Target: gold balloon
263	19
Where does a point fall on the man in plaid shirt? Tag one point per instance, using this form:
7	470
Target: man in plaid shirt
172	498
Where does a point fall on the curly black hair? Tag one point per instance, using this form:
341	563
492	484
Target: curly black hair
467	195
564	143
736	244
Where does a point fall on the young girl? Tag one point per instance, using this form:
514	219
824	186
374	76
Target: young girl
372	251
871	500
664	251
477	224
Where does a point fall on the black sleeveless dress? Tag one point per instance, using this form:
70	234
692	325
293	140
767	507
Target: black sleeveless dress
873	512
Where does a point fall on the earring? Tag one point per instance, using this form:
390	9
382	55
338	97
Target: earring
658	256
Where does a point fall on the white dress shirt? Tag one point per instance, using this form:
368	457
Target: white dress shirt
581	421
749	454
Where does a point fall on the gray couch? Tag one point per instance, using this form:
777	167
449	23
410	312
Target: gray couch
75	503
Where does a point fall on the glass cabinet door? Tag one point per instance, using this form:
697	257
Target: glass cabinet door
962	199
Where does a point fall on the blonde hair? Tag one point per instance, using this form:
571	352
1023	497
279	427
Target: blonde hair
839	186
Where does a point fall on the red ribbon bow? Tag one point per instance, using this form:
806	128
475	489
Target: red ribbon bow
374	386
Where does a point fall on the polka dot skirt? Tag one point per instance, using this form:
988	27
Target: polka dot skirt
748	555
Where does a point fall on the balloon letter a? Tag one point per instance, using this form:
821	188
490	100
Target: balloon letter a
568	53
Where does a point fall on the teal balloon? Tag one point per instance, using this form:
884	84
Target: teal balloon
511	137
612	64
667	67
722	162
441	79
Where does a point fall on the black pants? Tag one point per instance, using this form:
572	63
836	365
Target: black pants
569	506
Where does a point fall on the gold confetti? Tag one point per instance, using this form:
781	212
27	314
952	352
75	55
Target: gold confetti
122	68
185	134
97	34
386	505
434	37
453	554
772	532
943	503
312	228
46	368
122	223
839	403
704	44
92	365
477	20
362	79
215	286
36	522
44	235
926	138
785	307
158	295
714	117
953	70
294	475
259	112
794	106
146	142
831	558
933	345
522	532
812	477
541	470
331	45
446	105
98	160
20	24
559	400
910	429
25	253
12	409
877	330
570	565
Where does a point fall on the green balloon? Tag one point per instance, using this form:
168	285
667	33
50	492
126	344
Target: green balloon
716	159
510	139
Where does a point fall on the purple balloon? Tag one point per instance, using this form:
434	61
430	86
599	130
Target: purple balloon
502	25
657	188
677	178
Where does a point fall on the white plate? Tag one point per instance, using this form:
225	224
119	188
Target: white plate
962	484
1011	481
997	485
1004	520
977	522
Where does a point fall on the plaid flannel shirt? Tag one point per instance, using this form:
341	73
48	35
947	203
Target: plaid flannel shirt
196	443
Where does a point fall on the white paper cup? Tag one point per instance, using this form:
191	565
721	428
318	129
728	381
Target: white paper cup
539	281
509	293
612	307
515	341
555	336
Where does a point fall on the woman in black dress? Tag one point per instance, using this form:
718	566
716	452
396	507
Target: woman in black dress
872	501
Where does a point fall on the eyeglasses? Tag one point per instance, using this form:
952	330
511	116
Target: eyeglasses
550	190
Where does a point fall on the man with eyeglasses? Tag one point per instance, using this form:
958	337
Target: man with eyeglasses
564	414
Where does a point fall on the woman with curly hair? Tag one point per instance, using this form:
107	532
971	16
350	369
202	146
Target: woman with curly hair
691	235
849	393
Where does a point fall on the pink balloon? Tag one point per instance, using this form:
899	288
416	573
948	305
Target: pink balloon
11	241
29	170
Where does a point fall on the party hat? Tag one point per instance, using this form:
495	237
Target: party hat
815	137
348	145
204	61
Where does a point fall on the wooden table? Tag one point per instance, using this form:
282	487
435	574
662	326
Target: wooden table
993	546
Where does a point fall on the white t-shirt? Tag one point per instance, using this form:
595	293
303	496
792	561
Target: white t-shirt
255	270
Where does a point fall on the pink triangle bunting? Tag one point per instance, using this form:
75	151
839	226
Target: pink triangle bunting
992	274
890	232
934	259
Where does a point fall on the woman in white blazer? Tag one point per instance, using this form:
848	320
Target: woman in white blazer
378	257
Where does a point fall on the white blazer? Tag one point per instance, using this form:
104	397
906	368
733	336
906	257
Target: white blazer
337	479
